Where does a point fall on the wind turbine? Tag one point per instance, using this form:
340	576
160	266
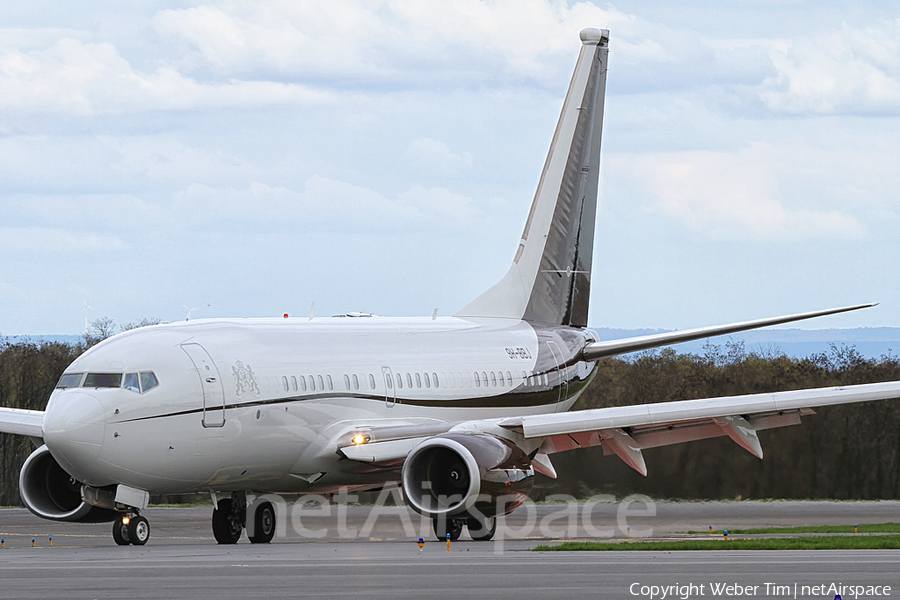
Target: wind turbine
84	311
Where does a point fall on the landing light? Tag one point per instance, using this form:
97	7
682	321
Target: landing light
360	438
125	520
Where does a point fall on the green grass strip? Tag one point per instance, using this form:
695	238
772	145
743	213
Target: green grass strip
868	542
863	528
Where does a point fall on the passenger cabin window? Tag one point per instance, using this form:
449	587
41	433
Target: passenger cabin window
294	383
284	382
371	381
103	380
477	380
427	381
312	383
355	382
302	383
399	381
70	380
329	382
435	378
418	380
346	381
321	383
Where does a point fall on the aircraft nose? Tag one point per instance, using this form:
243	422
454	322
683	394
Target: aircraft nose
74	427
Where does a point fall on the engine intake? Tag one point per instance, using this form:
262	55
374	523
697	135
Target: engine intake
51	493
466	474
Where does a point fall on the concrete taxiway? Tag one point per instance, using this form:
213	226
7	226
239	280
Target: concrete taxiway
383	561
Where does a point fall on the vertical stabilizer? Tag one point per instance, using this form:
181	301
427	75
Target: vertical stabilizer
549	280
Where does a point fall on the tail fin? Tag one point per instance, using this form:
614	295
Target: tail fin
549	280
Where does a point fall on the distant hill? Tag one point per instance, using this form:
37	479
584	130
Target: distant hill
871	342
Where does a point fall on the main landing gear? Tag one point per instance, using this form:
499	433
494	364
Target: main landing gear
230	516
131	529
480	529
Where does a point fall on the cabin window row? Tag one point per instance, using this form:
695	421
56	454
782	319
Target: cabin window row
311	383
413	380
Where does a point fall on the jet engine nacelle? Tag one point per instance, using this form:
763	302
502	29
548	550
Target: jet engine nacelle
466	474
51	493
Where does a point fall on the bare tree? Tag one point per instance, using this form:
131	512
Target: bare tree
142	322
100	329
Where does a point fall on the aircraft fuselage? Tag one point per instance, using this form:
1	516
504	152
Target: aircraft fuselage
247	404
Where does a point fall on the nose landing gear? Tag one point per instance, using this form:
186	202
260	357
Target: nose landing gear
131	529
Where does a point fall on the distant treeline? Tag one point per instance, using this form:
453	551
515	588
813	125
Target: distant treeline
28	373
841	452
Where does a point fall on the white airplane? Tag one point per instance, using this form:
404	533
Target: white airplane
461	410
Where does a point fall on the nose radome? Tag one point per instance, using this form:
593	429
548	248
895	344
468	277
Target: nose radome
74	427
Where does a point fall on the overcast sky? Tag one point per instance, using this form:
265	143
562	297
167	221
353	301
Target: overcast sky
246	158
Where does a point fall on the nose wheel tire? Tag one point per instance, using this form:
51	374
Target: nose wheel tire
139	531
120	533
226	523
263	524
136	531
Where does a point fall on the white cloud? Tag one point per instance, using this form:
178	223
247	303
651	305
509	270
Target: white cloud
44	240
436	158
92	78
323	203
440	203
846	71
730	195
374	39
83	211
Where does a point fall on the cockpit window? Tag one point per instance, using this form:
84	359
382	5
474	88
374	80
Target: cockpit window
148	381
131	383
70	380
102	380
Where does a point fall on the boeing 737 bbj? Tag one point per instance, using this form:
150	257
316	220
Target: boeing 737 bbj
461	410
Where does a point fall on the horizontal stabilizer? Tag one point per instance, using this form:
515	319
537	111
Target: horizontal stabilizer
598	350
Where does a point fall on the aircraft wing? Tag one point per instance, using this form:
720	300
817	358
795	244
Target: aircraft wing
19	421
598	350
627	430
